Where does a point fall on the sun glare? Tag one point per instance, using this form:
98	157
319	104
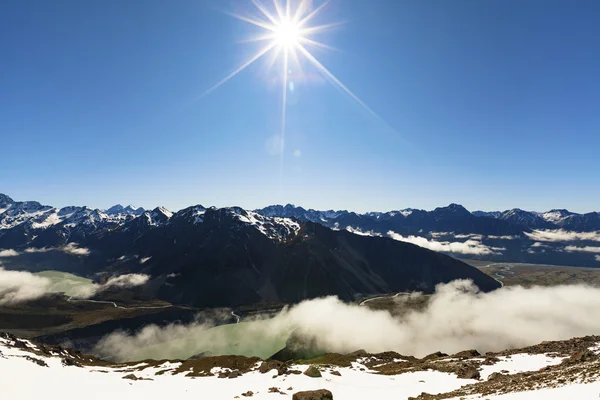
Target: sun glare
287	34
287	31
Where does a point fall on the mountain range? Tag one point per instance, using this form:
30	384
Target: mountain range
453	218
210	257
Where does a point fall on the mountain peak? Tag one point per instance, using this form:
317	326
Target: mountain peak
119	209
5	200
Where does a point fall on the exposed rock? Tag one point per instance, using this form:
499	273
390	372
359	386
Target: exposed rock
336	373
68	362
582	356
434	356
131	376
469	372
494	376
322	394
313	372
467	354
201	355
359	353
267	366
234	374
299	346
249	393
39	362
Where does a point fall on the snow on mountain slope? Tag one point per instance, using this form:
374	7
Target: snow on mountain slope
555	216
275	228
20	368
32	371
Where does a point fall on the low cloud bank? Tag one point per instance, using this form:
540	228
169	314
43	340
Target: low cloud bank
584	249
504	237
358	231
70	248
21	286
560	235
457	317
471	246
18	286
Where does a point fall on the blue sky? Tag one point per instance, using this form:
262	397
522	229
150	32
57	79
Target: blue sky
491	104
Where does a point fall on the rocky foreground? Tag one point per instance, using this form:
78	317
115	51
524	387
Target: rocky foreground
550	370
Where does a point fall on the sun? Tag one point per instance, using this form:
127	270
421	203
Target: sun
287	34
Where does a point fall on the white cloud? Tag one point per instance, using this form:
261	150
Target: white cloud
597	258
20	286
143	260
8	253
72	248
585	249
470	246
469	236
539	244
357	231
457	317
440	234
560	235
38	250
506	237
126	281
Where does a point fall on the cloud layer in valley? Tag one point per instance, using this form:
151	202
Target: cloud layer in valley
69	248
584	249
21	286
470	246
560	235
457	317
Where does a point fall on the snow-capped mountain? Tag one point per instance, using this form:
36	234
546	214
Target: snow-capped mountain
529	219
228	256
556	216
119	210
491	214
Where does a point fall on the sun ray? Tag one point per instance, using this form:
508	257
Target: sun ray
265	12
318	44
320	28
302	8
255	22
283	116
279	11
332	77
258	55
258	38
312	14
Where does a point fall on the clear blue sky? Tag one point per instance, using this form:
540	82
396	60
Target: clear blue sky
492	104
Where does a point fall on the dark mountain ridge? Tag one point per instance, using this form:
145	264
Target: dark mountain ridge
212	257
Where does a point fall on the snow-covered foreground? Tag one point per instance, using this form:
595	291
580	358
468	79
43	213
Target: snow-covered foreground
25	379
27	373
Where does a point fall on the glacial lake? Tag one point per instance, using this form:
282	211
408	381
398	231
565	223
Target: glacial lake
69	284
255	338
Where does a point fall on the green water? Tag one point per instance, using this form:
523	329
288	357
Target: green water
256	338
71	285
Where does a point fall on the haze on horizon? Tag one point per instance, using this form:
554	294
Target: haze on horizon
491	105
